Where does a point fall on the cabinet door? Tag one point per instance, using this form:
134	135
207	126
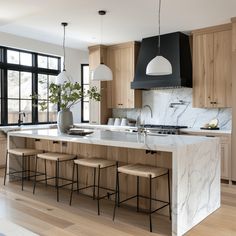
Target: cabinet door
203	69
225	158
114	62
127	75
222	68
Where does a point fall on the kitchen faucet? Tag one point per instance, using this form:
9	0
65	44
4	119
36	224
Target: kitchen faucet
138	123
20	118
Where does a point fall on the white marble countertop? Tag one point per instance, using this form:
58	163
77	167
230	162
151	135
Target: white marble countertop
203	131
11	128
168	143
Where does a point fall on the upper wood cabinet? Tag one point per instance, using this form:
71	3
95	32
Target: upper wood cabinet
212	59
98	111
121	59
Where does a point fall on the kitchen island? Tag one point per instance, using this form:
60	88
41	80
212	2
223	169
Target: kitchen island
194	163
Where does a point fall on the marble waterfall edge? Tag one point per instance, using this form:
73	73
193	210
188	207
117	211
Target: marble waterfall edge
185	114
196	185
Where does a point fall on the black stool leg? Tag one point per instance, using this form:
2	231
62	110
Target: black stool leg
22	172
45	171
5	175
150	202
137	193
72	186
118	189
98	196
77	168
57	180
116	194
94	182
28	165
35	172
169	194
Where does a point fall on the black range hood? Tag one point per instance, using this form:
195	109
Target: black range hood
176	48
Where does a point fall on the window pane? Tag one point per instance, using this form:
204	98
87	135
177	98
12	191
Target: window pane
13	84
42	86
42	115
26	107
86	111
52	79
26	84
42	62
53	63
13	111
86	74
26	59
52	112
13	57
86	88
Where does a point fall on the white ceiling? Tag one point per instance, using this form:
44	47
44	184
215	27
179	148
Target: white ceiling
126	20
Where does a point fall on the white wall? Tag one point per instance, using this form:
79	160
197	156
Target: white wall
74	57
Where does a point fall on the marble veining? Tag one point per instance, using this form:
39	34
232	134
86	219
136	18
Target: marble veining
185	114
196	179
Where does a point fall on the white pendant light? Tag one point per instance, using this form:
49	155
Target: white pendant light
63	76
159	65
101	72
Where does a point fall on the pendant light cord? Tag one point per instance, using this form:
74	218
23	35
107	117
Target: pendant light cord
64	48
101	29
159	27
101	13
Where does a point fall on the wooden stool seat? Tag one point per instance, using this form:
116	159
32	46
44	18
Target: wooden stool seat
54	156
143	170
24	151
95	162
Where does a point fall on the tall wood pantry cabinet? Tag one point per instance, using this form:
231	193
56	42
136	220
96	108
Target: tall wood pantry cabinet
212	61
121	59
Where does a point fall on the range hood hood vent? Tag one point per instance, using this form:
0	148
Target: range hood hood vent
175	47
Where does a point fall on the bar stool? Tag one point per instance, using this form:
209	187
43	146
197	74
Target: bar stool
97	164
144	171
23	153
58	158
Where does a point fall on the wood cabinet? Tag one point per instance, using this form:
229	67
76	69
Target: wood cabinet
98	111
212	60
121	59
225	144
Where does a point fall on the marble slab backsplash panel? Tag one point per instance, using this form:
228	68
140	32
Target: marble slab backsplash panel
160	102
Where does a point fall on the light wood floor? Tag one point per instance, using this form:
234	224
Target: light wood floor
41	214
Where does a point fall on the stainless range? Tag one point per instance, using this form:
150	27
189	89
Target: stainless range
163	129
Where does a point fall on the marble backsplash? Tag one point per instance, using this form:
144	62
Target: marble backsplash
184	114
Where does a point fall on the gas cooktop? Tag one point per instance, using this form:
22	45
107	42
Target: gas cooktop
164	129
165	126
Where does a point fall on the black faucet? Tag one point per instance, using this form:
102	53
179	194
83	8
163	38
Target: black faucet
20	118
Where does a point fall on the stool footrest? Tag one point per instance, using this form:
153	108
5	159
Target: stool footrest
153	199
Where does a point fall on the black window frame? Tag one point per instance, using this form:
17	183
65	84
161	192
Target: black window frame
34	70
82	99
